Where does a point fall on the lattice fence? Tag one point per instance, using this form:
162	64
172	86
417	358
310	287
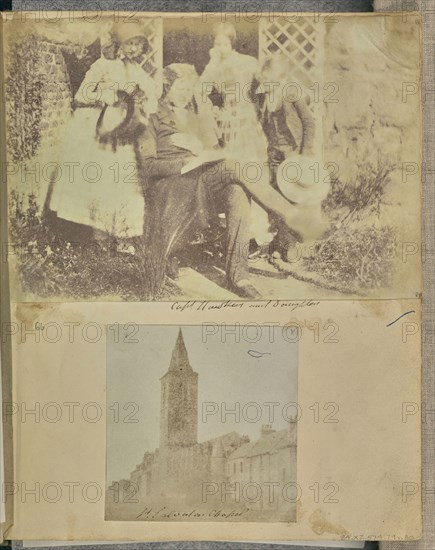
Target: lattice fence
301	41
153	59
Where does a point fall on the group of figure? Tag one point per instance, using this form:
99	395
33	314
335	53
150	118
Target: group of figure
161	168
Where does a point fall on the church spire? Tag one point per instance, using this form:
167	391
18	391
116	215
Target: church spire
179	400
180	359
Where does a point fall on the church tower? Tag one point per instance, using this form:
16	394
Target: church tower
179	401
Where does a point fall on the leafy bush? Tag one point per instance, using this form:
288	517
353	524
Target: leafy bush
361	197
358	251
24	87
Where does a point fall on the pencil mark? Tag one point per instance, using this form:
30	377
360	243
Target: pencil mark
403	315
257	354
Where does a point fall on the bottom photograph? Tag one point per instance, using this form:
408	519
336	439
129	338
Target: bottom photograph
201	423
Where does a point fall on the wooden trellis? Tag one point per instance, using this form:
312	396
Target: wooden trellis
153	59
301	41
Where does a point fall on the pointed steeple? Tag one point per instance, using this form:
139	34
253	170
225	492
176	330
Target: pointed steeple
179	400
180	359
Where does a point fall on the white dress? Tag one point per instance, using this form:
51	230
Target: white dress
99	187
240	128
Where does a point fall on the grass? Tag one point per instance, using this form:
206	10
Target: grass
358	250
358	258
54	266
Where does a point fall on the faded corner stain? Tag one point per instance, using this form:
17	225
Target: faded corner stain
320	525
28	312
377	308
28	315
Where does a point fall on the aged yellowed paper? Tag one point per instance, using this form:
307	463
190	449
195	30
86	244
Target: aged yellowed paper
348	396
214	254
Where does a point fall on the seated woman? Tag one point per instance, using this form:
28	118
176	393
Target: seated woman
177	204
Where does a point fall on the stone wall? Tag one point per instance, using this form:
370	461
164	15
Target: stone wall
372	67
277	466
38	93
57	94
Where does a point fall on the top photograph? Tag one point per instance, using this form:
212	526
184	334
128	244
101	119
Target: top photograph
186	156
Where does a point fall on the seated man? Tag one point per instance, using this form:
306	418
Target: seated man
177	204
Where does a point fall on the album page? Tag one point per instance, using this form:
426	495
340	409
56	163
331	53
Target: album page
214	256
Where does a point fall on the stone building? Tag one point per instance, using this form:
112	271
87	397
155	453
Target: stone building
234	469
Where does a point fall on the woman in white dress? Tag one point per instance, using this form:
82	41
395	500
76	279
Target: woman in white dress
99	187
234	76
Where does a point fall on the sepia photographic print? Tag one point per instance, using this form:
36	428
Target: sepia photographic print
201	424
202	157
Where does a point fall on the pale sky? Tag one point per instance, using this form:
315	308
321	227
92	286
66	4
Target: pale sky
227	374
